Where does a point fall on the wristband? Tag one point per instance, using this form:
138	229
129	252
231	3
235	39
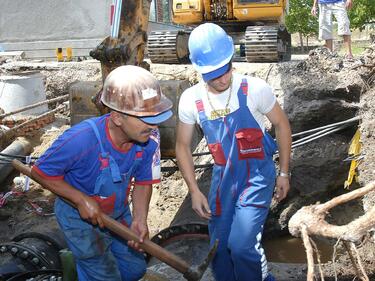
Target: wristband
285	175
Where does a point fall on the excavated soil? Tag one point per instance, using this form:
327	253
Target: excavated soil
18	214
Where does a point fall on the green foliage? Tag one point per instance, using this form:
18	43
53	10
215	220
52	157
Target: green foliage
166	10
300	19
362	13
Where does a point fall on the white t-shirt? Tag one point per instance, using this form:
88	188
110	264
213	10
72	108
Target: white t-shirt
260	100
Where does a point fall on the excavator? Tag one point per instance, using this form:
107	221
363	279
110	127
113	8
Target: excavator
257	27
126	46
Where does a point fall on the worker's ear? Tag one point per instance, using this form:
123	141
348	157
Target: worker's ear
117	117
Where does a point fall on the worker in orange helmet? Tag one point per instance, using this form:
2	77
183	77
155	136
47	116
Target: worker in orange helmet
94	164
230	108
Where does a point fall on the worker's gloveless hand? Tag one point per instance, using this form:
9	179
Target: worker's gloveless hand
348	4
141	229
89	210
313	11
200	204
282	188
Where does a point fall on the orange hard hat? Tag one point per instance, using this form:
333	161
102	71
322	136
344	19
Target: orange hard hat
135	91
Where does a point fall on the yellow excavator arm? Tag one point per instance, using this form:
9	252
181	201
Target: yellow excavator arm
128	39
126	46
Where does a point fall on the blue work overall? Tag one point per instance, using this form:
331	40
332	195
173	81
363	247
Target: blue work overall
243	180
100	255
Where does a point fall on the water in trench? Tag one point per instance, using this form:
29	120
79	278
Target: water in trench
286	257
288	249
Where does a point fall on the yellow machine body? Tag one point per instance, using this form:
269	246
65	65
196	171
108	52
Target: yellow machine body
257	26
190	12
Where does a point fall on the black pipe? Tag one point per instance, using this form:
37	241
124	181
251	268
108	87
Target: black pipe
31	252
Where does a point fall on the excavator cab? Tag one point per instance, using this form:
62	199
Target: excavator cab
256	26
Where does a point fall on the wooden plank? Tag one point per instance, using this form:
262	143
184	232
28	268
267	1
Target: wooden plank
7	54
47	49
51	53
31	45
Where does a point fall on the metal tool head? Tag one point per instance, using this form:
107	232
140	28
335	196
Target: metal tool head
195	273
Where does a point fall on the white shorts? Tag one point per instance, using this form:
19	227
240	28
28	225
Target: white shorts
325	20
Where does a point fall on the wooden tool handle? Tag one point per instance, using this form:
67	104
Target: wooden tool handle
124	232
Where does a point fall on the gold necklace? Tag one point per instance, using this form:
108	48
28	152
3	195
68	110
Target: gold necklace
217	113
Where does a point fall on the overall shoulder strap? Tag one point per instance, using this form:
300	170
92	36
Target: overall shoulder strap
138	152
96	132
201	113
137	161
115	171
242	93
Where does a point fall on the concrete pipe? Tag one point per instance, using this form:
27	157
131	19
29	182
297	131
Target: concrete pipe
22	89
21	146
84	93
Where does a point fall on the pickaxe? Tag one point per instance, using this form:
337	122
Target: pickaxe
190	272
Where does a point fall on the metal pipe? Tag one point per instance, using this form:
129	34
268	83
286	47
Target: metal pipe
30	254
34	105
327	126
312	136
319	136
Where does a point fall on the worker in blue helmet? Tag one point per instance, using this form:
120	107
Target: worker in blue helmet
230	109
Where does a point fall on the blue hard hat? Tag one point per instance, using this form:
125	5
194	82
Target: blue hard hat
211	50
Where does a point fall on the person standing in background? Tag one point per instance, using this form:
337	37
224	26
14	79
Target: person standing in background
337	8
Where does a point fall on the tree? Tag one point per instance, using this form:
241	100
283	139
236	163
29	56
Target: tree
362	13
166	11
299	20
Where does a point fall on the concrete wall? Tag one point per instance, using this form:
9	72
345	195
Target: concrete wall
38	27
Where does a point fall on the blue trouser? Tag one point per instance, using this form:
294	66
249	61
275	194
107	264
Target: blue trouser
240	233
119	263
99	255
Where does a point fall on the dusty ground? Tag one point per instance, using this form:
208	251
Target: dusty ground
18	215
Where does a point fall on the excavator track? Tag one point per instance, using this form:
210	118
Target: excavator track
261	44
267	44
169	47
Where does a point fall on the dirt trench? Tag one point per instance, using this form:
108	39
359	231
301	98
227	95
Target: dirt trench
320	90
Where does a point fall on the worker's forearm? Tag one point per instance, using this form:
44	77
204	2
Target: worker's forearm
186	166
60	188
141	200
284	141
